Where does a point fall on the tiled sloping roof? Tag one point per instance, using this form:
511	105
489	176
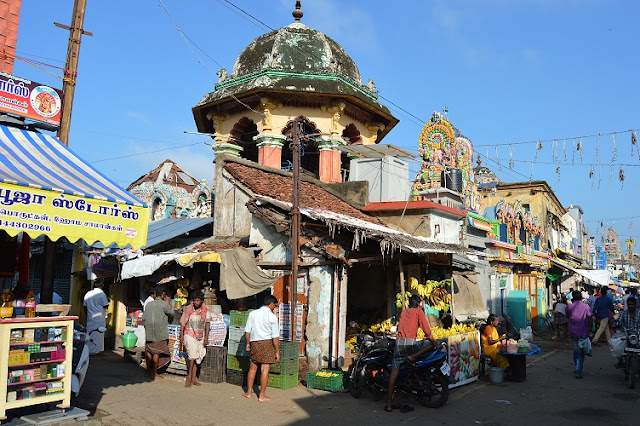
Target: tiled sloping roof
280	187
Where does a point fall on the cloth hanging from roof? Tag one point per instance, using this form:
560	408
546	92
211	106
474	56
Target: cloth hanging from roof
240	276
600	277
145	265
554	273
467	300
45	189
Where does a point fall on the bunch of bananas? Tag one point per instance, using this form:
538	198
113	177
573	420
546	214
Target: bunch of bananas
434	293
407	295
383	326
439	333
326	374
351	342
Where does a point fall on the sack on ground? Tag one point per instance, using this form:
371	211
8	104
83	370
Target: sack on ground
617	343
585	346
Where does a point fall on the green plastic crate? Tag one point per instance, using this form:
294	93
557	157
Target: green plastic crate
289	350
240	363
285	366
333	384
283	381
239	318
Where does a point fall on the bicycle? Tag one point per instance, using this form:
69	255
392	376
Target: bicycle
546	326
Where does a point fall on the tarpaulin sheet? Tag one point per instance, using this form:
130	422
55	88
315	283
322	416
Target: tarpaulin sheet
240	276
467	300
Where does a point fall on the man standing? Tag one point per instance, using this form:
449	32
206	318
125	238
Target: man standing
578	314
95	305
570	295
156	314
407	347
591	300
152	296
194	335
601	308
262	334
633	292
629	318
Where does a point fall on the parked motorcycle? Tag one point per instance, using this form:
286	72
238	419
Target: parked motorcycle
631	357
426	380
80	360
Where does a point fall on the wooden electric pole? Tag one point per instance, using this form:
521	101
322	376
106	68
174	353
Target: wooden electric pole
295	227
68	91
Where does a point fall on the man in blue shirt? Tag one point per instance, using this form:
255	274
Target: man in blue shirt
602	307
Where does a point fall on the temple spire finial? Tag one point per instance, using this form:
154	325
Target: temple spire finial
297	13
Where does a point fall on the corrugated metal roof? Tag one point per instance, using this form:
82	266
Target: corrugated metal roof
166	229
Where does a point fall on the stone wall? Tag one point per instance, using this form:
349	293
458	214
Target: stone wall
9	19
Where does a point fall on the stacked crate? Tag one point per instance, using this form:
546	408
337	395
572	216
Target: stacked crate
213	365
284	374
237	355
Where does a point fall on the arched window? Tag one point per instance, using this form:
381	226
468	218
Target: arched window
243	132
352	136
157	210
309	156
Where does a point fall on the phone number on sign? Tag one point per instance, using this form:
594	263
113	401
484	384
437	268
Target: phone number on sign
22	225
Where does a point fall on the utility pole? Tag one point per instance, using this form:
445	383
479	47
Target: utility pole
295	227
68	91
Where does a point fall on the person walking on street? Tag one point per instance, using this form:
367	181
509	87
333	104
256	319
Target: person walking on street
194	335
602	308
560	319
262	334
95	305
407	347
578	314
156	320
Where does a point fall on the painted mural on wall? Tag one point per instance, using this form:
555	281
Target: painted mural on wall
443	147
519	227
611	244
172	193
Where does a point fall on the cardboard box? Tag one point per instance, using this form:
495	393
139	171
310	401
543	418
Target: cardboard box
29	335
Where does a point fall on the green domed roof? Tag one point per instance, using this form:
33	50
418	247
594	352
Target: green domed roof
299	49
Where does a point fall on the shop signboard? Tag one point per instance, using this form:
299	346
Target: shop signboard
464	358
29	99
38	211
503	280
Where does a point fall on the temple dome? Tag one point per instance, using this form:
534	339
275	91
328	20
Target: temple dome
296	49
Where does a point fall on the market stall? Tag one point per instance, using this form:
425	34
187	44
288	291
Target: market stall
35	362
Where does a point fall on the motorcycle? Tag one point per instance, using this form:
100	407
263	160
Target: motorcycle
80	359
631	357
426	379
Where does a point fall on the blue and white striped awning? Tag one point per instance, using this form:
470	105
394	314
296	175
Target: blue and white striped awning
41	161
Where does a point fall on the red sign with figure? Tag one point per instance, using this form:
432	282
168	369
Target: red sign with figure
29	99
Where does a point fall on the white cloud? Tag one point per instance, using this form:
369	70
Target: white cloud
140	117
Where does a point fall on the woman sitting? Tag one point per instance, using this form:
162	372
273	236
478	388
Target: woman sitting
490	341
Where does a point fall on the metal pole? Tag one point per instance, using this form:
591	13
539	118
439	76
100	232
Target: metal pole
295	227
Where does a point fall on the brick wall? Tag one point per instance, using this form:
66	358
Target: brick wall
9	18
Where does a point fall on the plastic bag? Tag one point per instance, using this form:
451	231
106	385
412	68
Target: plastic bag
585	346
617	343
526	334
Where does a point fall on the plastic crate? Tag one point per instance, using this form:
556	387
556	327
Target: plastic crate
236	333
239	318
289	350
240	363
285	366
238	378
333	384
283	381
237	348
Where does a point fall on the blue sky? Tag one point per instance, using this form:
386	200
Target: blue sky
507	71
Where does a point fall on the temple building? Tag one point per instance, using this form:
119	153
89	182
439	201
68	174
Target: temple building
173	193
293	72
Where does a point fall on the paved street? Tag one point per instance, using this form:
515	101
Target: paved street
117	393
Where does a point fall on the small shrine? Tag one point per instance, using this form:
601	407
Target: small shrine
611	244
173	193
447	161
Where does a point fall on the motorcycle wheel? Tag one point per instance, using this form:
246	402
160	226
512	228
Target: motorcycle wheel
355	384
633	371
435	392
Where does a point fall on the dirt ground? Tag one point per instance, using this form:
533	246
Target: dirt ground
117	393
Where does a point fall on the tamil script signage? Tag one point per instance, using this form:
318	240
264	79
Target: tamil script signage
29	99
38	212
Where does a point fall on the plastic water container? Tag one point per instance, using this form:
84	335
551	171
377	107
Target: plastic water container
496	375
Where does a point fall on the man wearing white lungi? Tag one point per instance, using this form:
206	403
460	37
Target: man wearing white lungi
96	304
